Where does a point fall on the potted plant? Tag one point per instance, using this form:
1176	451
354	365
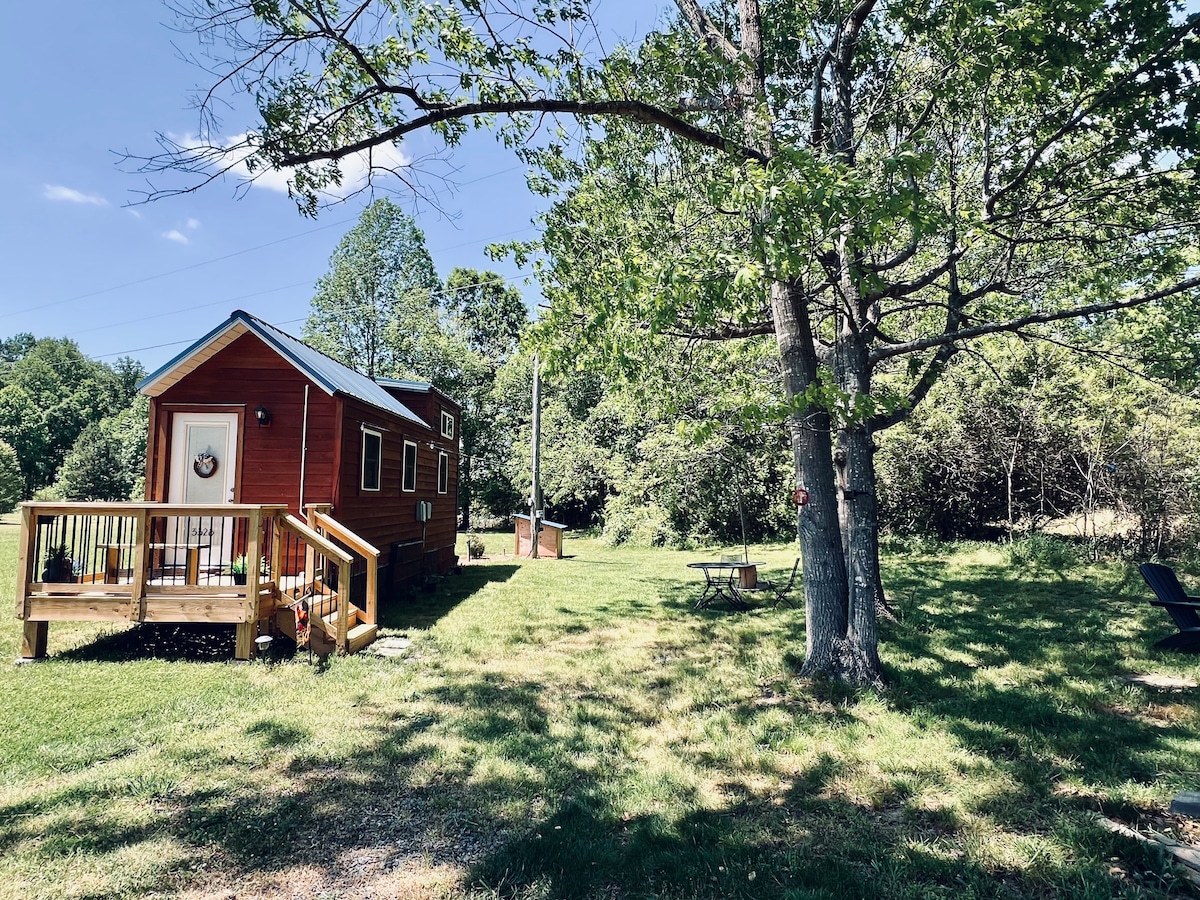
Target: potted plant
59	565
238	569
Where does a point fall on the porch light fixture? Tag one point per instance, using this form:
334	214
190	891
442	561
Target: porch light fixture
263	415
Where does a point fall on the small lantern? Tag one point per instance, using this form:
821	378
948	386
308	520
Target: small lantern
263	644
263	415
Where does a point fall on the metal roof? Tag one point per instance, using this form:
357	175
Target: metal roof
324	371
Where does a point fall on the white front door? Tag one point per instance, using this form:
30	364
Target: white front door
203	458
203	466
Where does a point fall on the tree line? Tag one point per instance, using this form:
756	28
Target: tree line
70	427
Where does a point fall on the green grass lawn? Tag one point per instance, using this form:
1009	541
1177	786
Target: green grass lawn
575	729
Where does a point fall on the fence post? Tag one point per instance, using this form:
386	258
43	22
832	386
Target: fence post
247	631
137	589
25	561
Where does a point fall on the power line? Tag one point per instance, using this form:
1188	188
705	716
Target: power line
459	289
116	287
148	278
178	312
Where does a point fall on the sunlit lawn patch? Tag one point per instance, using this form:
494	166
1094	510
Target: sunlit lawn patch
575	728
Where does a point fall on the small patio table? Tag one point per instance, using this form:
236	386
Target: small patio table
719	580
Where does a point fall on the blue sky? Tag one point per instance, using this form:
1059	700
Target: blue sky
86	81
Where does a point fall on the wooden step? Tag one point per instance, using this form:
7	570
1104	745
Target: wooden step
361	635
354	616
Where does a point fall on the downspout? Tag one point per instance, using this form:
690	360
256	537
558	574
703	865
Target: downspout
303	449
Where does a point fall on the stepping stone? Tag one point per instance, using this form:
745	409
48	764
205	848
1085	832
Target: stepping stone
1161	682
390	647
1186	803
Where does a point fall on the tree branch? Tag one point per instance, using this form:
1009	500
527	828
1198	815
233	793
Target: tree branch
963	334
635	110
706	29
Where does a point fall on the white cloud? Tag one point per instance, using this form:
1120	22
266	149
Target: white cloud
355	168
193	224
175	235
70	195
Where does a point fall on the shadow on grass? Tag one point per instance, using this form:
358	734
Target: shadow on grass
216	643
533	805
545	825
175	643
422	610
1027	672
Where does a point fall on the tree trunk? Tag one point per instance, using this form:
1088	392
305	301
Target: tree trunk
465	490
820	537
856	464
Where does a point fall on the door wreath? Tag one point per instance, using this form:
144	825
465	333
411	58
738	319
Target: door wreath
205	465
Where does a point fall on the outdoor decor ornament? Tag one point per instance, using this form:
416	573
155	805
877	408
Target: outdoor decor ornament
205	465
800	497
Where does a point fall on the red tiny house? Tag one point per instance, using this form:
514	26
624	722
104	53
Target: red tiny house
293	420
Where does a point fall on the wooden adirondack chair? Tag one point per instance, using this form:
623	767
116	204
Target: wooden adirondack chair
1184	610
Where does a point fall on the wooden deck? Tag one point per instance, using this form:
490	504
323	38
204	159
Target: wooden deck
155	562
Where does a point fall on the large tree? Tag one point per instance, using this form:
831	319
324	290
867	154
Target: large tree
871	183
379	274
489	316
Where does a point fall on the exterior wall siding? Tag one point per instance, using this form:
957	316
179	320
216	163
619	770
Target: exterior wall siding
389	516
248	374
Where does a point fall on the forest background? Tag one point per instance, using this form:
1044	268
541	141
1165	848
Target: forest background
1018	434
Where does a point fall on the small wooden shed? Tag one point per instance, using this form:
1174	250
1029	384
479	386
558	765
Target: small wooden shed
250	414
550	538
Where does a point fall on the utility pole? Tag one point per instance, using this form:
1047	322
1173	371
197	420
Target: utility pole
535	493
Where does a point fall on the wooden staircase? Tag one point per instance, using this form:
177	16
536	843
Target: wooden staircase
359	634
335	622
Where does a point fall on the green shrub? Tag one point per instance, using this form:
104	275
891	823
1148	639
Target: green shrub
638	524
1046	550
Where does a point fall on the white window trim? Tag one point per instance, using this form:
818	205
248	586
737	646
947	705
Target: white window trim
404	468
443	466
362	481
447	425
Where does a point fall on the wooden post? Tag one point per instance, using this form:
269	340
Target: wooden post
253	564
276	557
25	561
246	633
372	588
343	607
310	555
141	560
33	641
536	490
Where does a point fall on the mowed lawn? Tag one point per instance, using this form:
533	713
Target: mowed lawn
575	728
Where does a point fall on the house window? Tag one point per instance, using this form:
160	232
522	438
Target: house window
409	480
372	459
443	472
447	425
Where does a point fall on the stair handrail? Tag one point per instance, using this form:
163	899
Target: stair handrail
361	547
288	522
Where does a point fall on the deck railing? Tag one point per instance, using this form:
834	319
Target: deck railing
320	520
156	562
